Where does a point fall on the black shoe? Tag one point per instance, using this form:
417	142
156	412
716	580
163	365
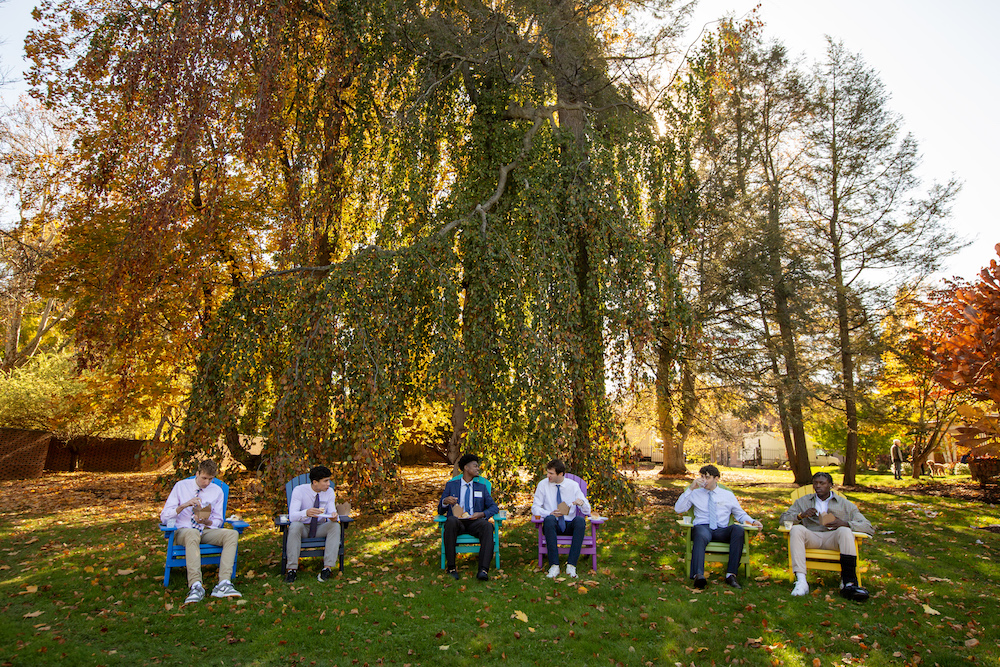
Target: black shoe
453	574
324	574
854	593
731	581
699	582
483	575
290	576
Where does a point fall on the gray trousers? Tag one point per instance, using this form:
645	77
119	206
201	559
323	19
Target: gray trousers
298	530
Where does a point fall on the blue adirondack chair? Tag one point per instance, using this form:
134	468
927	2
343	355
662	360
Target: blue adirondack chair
469	544
210	554
565	542
311	546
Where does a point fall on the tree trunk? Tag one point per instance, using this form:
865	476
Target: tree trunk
846	360
673	455
232	439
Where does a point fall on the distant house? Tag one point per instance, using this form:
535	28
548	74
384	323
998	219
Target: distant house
767	448
646	438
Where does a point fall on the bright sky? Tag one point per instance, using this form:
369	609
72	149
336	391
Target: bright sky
938	59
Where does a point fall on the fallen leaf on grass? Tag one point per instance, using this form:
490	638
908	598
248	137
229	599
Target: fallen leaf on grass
969	643
931	611
581	590
520	615
444	647
88	568
33	614
124	573
168	606
29	589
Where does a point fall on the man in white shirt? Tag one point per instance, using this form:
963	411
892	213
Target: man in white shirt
312	512
713	506
825	520
187	496
549	493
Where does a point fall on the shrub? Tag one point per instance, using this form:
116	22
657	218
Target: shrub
907	469
962	469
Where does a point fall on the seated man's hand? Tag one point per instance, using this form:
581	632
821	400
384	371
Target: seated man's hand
809	512
450	500
837	523
578	501
757	524
477	515
314	511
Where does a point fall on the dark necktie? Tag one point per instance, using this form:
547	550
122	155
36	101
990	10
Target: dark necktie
468	498
315	520
562	519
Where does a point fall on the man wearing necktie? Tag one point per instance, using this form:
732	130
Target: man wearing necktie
478	506
552	491
185	500
713	505
312	512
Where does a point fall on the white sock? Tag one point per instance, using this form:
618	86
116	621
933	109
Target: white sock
800	576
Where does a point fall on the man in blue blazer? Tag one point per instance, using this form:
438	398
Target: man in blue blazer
474	503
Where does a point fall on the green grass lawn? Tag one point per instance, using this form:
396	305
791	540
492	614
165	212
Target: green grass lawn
84	586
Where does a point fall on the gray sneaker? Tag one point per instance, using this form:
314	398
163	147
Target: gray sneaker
224	589
196	594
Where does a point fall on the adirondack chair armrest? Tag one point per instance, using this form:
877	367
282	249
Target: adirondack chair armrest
238	526
167	529
440	518
345	519
599	520
282	524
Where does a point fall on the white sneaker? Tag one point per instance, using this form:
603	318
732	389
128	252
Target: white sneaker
571	571
196	594
801	588
224	589
553	572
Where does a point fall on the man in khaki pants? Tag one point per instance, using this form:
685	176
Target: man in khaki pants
185	499
825	520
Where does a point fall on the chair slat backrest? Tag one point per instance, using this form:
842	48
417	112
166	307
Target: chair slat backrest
801	491
292	483
581	481
481	480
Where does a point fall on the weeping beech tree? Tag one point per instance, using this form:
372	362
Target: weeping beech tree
338	208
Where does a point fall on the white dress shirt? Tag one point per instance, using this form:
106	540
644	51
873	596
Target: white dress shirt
823	506
185	490
725	504
304	498
545	498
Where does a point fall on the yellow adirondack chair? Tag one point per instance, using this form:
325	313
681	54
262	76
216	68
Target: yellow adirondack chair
821	559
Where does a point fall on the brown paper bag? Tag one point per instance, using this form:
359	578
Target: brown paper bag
344	509
564	508
827	518
203	512
458	511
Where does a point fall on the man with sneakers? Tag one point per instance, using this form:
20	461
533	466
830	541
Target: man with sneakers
187	496
549	494
312	511
713	506
825	520
477	507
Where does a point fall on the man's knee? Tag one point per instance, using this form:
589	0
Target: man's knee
549	522
701	533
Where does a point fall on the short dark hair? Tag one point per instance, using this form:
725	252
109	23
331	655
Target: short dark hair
209	467
828	476
557	465
710	470
466	460
319	472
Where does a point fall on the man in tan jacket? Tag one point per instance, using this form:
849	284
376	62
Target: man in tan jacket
825	520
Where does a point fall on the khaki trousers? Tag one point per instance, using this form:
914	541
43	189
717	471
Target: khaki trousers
801	538
191	540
